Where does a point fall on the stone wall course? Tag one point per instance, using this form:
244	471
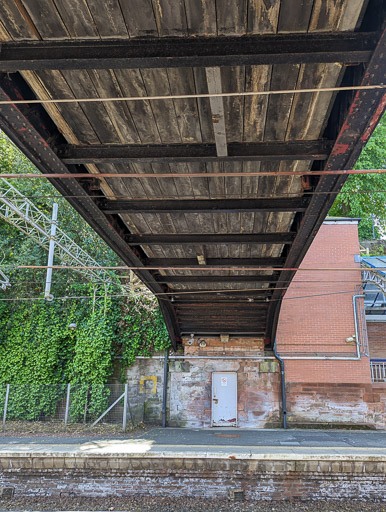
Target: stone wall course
357	478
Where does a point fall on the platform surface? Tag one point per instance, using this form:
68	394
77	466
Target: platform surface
175	442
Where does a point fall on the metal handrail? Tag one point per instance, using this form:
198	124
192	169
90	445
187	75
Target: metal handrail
378	370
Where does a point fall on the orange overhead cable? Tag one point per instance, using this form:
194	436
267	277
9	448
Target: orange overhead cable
200	268
192	96
191	174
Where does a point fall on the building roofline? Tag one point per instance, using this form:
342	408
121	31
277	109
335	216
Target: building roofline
342	220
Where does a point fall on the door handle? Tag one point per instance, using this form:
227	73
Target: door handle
215	400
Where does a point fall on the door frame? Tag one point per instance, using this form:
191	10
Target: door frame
211	400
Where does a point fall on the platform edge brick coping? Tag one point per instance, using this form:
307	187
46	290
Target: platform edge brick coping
283	477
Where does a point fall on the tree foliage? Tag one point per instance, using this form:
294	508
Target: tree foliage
38	351
365	194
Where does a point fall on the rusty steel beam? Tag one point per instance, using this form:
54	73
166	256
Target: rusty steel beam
245	334
344	47
237	151
221	315
278	204
216	301
167	263
217	279
206	306
210	239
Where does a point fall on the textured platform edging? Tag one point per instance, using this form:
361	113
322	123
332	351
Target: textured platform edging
358	477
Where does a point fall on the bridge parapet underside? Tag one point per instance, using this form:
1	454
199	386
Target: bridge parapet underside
211	238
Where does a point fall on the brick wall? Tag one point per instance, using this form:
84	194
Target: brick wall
376	332
320	322
306	477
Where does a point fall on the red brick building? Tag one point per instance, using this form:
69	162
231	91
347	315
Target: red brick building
321	337
322	320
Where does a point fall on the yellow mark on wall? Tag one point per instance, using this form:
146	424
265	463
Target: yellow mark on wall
153	378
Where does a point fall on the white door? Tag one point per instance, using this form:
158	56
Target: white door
224	399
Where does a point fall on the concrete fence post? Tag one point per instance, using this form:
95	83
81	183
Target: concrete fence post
5	405
67	404
125	401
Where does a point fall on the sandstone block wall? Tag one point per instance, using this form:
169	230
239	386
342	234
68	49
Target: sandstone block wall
190	384
336	404
359	478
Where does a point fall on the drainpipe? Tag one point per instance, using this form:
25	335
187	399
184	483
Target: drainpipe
165	389
339	358
357	340
283	393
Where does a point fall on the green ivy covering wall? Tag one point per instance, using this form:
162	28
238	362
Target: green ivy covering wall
39	354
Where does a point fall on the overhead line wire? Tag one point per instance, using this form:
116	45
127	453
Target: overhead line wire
161	281
192	96
192	174
162	298
128	198
202	268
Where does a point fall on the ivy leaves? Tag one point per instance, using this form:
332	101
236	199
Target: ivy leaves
39	354
143	332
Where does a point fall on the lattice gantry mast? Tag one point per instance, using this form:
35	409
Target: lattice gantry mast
19	211
4	281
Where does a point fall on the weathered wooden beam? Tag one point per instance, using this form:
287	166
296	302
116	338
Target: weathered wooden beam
290	204
167	263
206	239
237	151
213	78
345	47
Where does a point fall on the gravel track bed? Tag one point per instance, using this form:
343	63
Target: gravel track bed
58	429
162	504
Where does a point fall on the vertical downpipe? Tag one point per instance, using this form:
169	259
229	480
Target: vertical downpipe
283	393
165	389
357	337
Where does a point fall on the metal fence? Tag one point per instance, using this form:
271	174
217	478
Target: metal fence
67	404
378	370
